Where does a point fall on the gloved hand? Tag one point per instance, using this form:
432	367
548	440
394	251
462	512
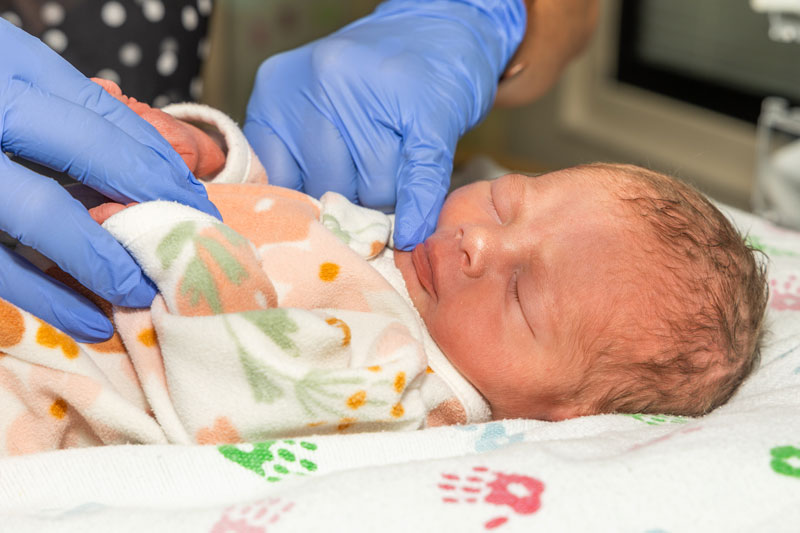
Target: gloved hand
52	115
374	111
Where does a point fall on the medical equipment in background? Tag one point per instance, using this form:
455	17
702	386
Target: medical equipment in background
784	18
776	194
776	191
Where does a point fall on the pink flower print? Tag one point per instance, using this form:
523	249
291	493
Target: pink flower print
519	492
785	296
251	518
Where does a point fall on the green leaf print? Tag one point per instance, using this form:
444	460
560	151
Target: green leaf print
230	266
171	245
199	283
333	224
315	392
230	235
265	390
275	324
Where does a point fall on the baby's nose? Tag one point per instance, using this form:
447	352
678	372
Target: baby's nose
475	242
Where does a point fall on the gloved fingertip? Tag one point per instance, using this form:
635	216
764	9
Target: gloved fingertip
197	185
206	206
213	211
141	296
407	235
88	326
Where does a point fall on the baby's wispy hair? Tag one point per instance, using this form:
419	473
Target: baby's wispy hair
701	302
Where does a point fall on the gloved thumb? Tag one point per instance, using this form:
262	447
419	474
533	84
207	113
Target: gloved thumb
421	188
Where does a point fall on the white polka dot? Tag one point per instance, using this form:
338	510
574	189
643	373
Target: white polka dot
113	14
55	39
52	14
13	18
204	7
153	10
167	63
189	18
161	100
265	204
130	54
108	74
196	88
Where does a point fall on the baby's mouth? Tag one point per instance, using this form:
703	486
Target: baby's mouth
422	266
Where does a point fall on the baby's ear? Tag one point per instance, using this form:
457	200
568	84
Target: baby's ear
565	412
110	87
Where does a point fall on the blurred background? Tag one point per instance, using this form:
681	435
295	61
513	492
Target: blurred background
675	85
708	91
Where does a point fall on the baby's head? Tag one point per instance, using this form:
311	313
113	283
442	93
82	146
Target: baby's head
594	289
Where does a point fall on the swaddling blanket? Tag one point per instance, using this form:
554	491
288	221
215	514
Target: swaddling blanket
278	328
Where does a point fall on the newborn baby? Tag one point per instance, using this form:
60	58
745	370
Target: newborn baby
595	289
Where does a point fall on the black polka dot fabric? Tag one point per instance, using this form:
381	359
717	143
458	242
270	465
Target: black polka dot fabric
152	48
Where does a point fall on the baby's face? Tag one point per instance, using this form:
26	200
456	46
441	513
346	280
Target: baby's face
515	281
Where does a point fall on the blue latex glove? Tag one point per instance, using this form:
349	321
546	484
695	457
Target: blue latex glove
375	110
52	115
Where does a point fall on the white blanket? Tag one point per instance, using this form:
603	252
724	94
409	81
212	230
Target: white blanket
736	469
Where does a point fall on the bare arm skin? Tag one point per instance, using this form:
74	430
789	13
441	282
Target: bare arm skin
556	32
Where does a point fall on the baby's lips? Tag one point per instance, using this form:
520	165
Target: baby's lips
422	265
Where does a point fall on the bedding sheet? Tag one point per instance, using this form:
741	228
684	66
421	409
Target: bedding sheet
736	469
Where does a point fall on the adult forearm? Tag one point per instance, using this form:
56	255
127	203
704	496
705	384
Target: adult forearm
557	30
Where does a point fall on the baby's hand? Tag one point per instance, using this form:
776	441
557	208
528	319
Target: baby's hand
200	153
104	211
